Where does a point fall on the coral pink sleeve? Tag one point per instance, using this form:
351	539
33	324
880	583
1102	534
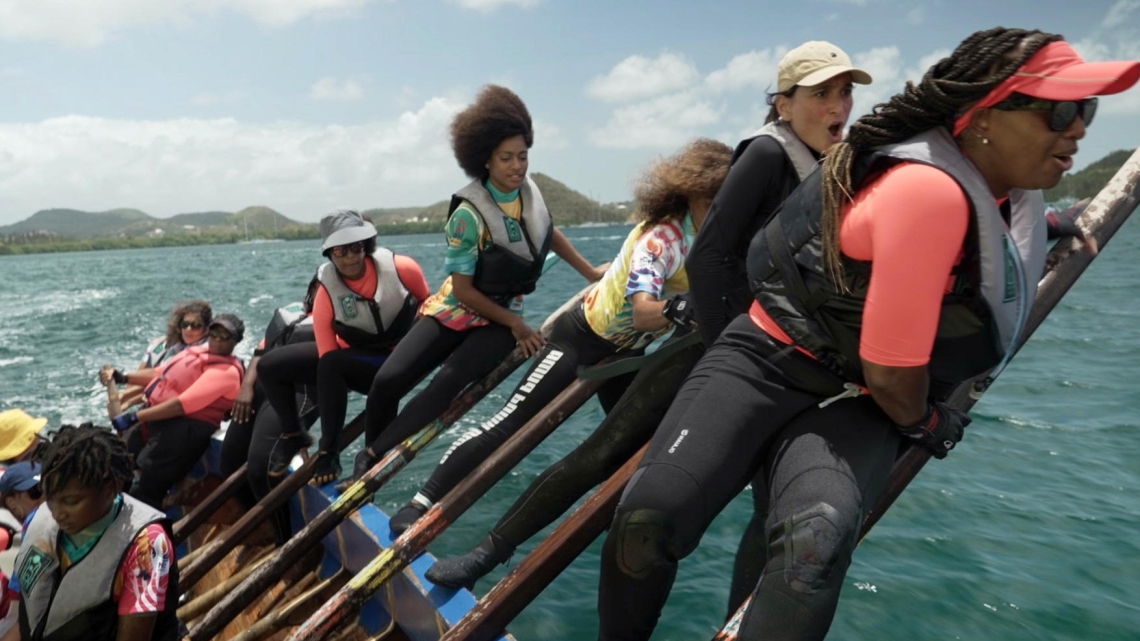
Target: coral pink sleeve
144	573
910	223
323	322
412	277
210	386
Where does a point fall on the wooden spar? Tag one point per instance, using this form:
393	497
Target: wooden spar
204	510
1063	266
347	602
363	490
206	600
641	408
300	606
490	616
189	523
114	404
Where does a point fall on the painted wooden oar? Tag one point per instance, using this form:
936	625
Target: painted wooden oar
348	601
206	600
645	403
1063	266
490	616
302	605
362	491
232	485
188	524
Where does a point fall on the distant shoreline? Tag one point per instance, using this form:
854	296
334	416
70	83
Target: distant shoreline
187	240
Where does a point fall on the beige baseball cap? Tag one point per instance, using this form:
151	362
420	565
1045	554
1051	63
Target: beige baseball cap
813	63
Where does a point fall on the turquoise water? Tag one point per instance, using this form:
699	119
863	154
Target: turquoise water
1030	530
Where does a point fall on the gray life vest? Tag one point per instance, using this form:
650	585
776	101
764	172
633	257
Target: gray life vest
801	158
79	604
981	318
513	263
371	323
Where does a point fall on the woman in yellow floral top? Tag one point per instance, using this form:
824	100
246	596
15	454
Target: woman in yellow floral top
499	232
640	298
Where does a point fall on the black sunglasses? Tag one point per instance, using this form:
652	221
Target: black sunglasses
1062	113
221	335
191	324
340	251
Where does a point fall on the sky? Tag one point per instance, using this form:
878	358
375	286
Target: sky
175	106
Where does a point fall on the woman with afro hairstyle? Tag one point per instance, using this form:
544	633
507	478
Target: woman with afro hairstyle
902	268
629	308
126	587
499	232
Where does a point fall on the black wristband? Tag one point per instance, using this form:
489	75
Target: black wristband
119	377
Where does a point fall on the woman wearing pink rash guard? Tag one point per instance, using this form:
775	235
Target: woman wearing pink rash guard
905	266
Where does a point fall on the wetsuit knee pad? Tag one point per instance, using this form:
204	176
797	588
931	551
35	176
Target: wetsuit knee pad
645	542
808	545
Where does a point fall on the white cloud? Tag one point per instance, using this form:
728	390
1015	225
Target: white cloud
491	5
1121	13
639	77
755	69
90	22
172	166
332	89
661	123
885	66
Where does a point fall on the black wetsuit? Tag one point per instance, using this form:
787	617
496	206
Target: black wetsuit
743	413
334	374
462	356
626	427
760	179
571	344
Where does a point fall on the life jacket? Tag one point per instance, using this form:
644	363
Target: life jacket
983	315
158	352
289	324
513	262
799	161
79	603
180	372
371	323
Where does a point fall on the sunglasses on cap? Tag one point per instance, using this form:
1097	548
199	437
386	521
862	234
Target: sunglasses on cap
340	251
191	325
1062	113
221	334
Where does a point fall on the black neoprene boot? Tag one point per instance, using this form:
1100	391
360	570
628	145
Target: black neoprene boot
407	515
464	570
360	466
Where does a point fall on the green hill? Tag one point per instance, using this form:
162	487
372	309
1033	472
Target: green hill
73	223
1090	180
73	230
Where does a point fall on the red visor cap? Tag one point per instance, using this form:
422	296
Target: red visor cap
1056	72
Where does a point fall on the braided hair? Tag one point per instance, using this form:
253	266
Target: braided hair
983	61
89	454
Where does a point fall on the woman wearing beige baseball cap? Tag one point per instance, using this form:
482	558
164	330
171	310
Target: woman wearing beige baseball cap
808	112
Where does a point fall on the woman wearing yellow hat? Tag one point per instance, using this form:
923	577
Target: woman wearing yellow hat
19	433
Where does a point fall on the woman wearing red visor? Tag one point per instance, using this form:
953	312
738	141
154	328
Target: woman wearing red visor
903	267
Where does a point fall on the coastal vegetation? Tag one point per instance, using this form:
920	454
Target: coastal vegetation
64	230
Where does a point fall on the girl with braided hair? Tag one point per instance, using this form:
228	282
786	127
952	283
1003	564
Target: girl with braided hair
127	585
902	268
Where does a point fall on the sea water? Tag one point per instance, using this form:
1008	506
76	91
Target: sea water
1030	529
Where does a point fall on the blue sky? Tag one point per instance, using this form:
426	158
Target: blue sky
176	106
